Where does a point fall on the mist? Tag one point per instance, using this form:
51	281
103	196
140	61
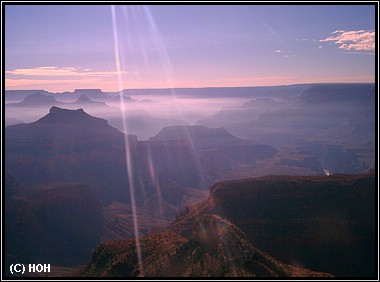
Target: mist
147	157
336	122
145	115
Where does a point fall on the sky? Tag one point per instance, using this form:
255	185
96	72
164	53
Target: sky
63	47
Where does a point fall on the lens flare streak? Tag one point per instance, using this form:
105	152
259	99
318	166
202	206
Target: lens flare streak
128	145
138	46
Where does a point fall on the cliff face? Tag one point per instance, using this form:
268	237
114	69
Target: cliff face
322	223
69	146
73	146
215	248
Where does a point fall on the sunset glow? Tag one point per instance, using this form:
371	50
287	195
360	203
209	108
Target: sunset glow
187	46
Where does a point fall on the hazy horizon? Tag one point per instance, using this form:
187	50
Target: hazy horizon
206	87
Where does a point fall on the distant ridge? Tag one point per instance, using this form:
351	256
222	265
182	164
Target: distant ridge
39	97
87	90
290	91
60	115
18	95
84	101
60	124
322	93
70	146
201	136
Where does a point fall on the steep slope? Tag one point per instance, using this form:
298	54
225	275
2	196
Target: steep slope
32	107
58	223
200	136
323	223
357	93
336	122
19	95
175	160
83	100
12	121
36	99
69	145
222	156
73	146
139	122
61	123
215	248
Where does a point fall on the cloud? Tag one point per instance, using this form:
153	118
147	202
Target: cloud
61	71
356	40
283	54
60	85
58	78
338	31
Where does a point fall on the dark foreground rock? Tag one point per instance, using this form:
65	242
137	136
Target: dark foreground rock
215	248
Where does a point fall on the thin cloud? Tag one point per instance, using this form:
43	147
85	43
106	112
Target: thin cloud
58	78
58	84
356	40
282	54
63	71
32	82
338	31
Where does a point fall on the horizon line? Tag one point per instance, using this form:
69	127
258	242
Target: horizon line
205	87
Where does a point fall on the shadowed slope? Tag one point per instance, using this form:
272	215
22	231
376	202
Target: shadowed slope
322	223
215	248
